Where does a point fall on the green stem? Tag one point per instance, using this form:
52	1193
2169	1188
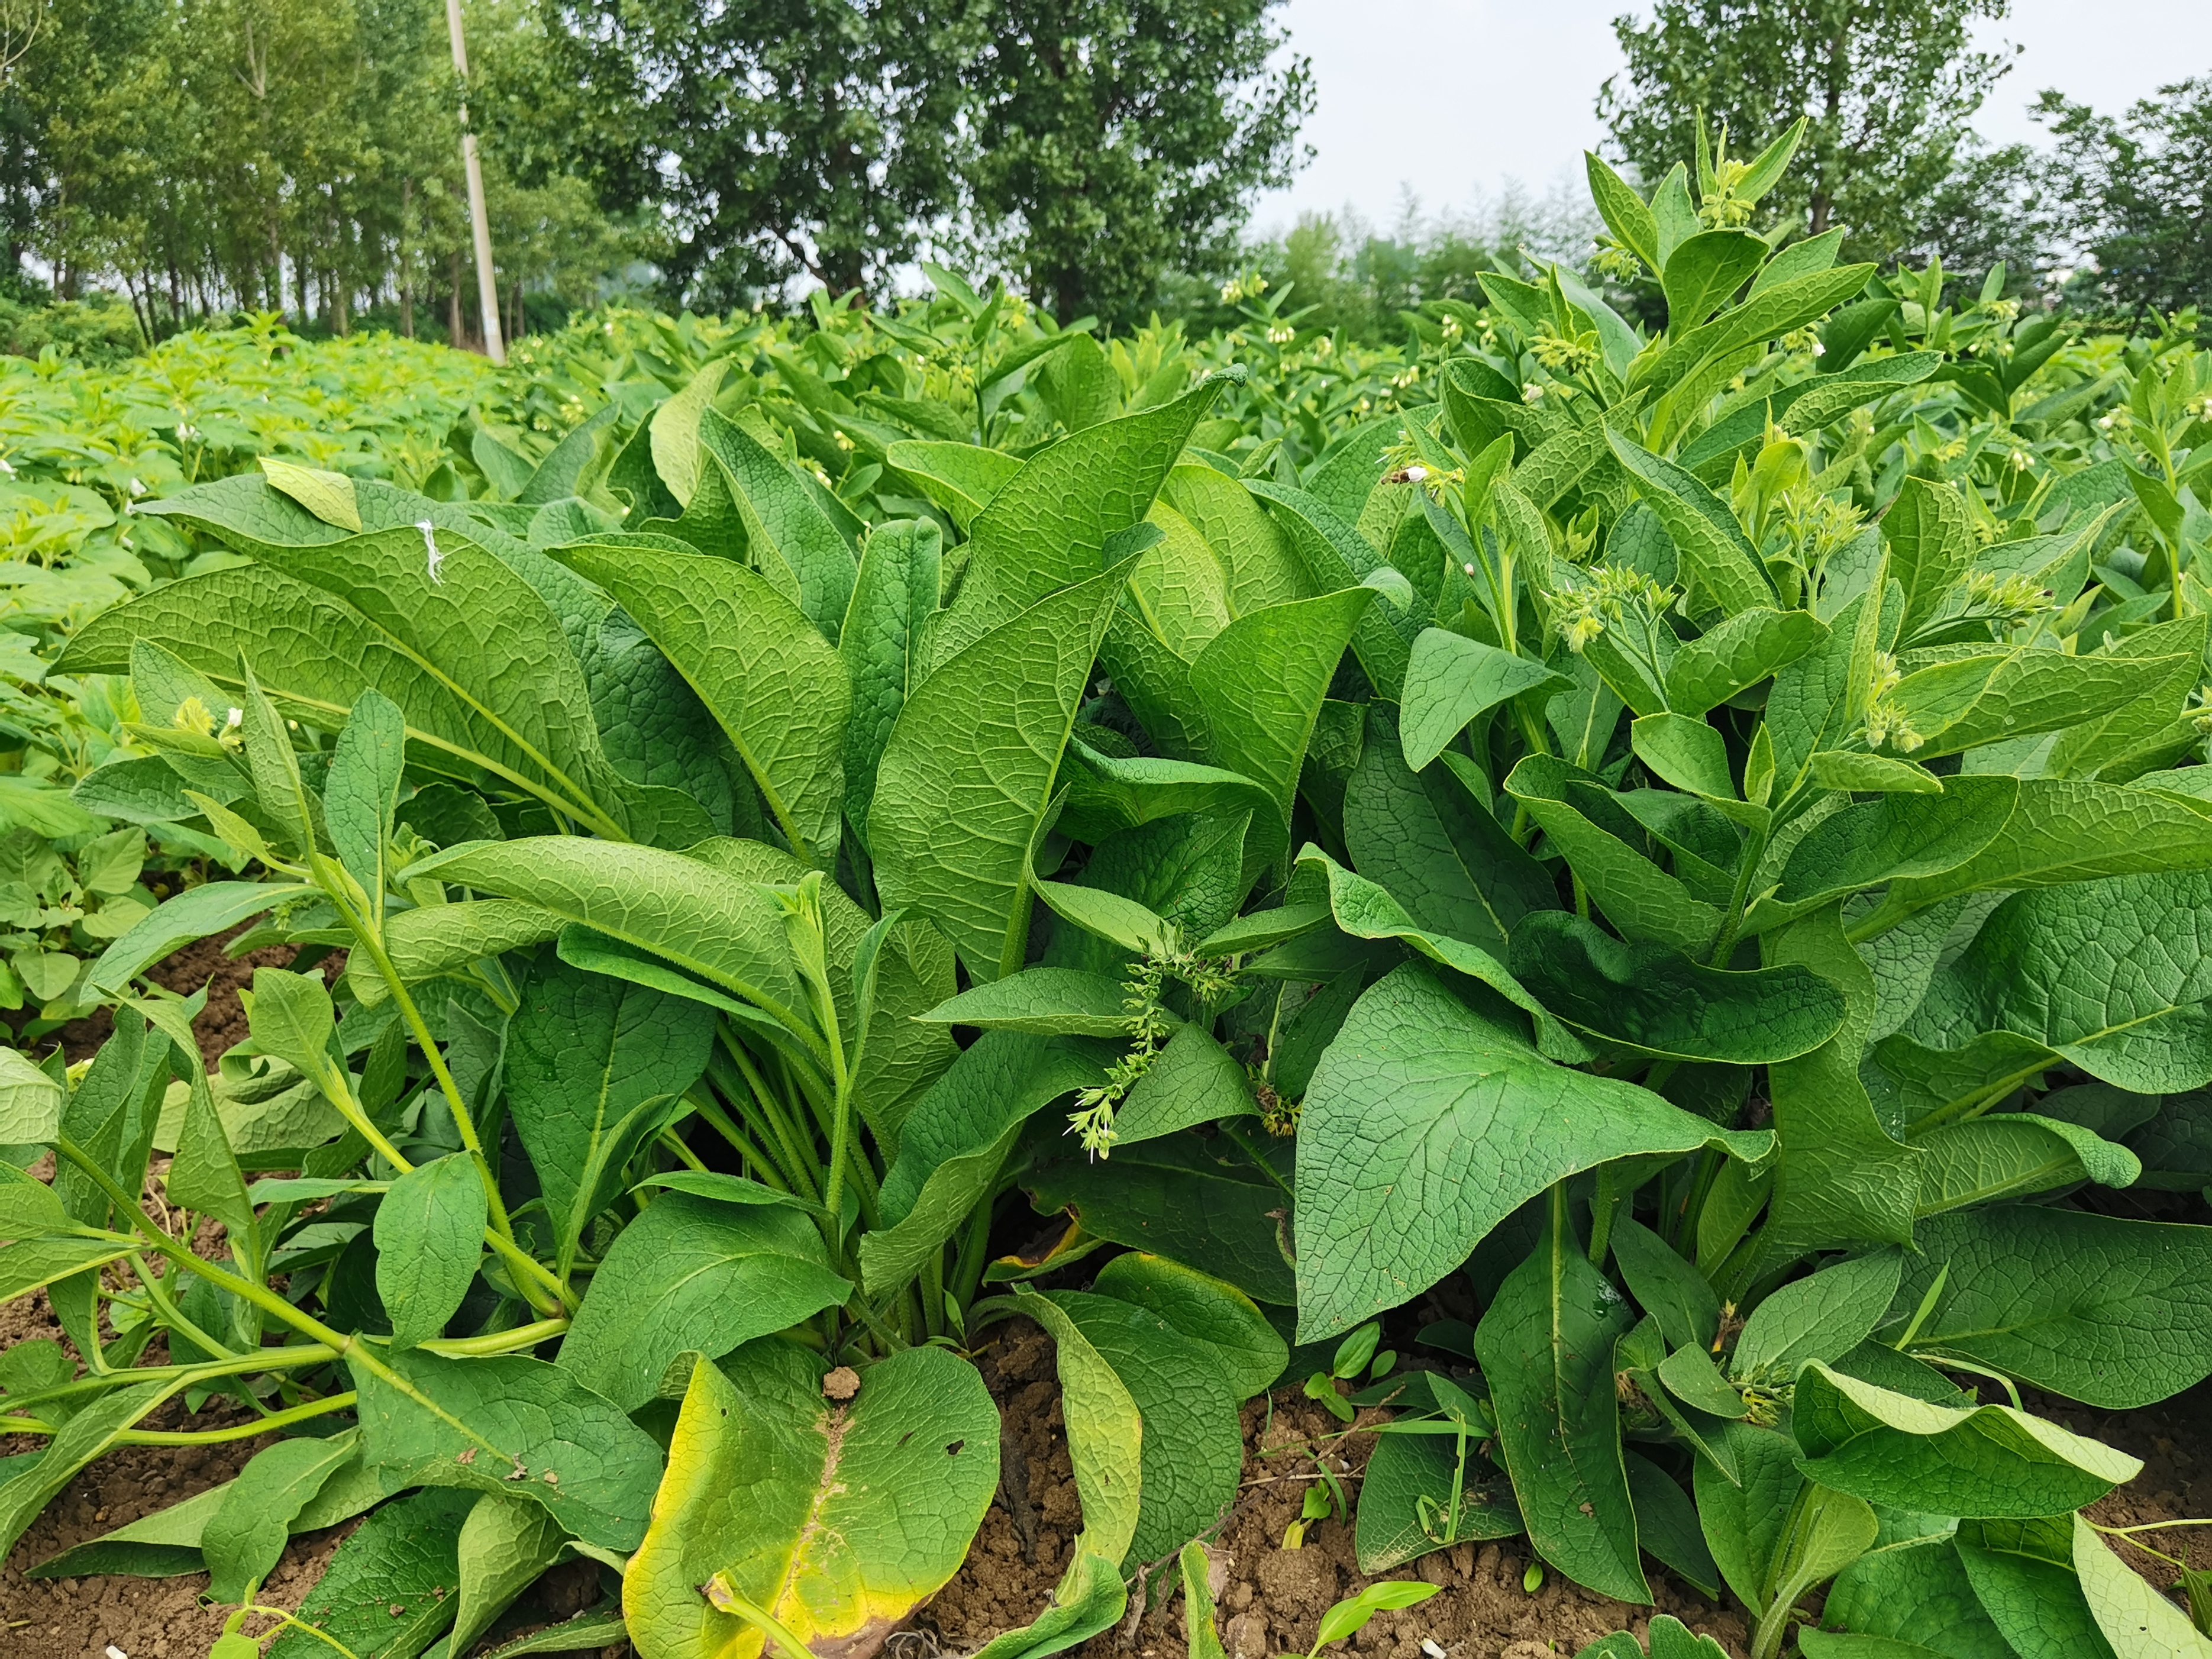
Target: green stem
262	1359
158	1294
246	1431
497	1342
685	1155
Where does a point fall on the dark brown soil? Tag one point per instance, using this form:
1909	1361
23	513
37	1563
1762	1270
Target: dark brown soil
219	1025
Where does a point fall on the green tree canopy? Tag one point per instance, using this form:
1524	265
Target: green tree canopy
1889	85
2137	194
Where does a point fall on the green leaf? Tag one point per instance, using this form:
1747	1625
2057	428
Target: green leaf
1427	1124
204	1176
1983	1461
693	1275
2066	831
1717	559
2113	1312
1364	910
675	907
2011	1154
1046	527
1703	272
1545	1347
34	1263
2085	970
1107	794
243	1538
968	772
1204	1640
363	793
1896	838
1643	902
1625	213
962	478
1193	1080
1204	1204
30	1102
2023	1573
504	1544
1211	1314
1744	1518
881	642
1254	549
1658	1001
774	687
400	1557
476	658
1960	704
1451	680
214	907
472	1423
1261	681
1822	1317
1052	1001
1841	1178
1191	1448
429	1236
1839	768
1105	1431
1737	655
1350	1616
1669	1289
328	495
1917	1591
797	550
89	1433
1684	752
1667	1530
1437	849
1405	1469
2139	1622
1931	542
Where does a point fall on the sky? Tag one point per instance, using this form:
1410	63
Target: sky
1452	98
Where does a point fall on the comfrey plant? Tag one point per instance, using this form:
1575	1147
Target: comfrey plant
1606	847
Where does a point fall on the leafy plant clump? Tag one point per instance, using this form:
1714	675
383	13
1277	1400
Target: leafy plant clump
1626	841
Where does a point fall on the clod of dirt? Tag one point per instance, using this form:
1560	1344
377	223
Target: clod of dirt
841	1384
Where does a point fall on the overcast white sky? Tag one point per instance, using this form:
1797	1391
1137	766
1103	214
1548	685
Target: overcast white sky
1452	97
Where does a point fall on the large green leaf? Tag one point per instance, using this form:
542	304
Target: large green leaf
1985	1461
474	1423
1105	1431
1046	527
1211	1314
1717	559
2023	1572
1736	655
962	478
380	1593
1897	837
1451	679
968	772
765	674
2139	1622
1252	548
1642	900
429	1236
1841	1178
835	1520
471	652
1658	999
792	542
1192	1449
1918	1592
674	907
2090	972
1546	1346
1205	1204
2113	1312
1435	847
244	1538
1428	1123
584	1054
1960	704
1261	681
693	1275
881	644
1405	1469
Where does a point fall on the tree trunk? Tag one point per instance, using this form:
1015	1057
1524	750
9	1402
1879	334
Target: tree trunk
406	289
453	313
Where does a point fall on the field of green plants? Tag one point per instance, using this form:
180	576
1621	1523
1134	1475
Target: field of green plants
845	832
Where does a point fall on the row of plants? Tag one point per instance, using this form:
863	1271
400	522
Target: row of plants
1694	839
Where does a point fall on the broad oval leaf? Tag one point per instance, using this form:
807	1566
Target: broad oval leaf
835	1520
1427	1124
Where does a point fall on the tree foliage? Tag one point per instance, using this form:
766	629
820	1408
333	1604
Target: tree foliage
1889	86
2137	191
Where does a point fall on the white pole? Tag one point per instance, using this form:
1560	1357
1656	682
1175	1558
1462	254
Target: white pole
487	283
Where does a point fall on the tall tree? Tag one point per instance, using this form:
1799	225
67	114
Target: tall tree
778	136
1890	85
2137	194
1114	138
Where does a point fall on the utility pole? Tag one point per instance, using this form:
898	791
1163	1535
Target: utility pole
487	284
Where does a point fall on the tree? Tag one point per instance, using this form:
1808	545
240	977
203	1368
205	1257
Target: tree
2136	194
1114	138
777	136
1890	87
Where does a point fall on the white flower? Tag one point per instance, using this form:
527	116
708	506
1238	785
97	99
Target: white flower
1468	569
235	719
1819	349
1416	474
